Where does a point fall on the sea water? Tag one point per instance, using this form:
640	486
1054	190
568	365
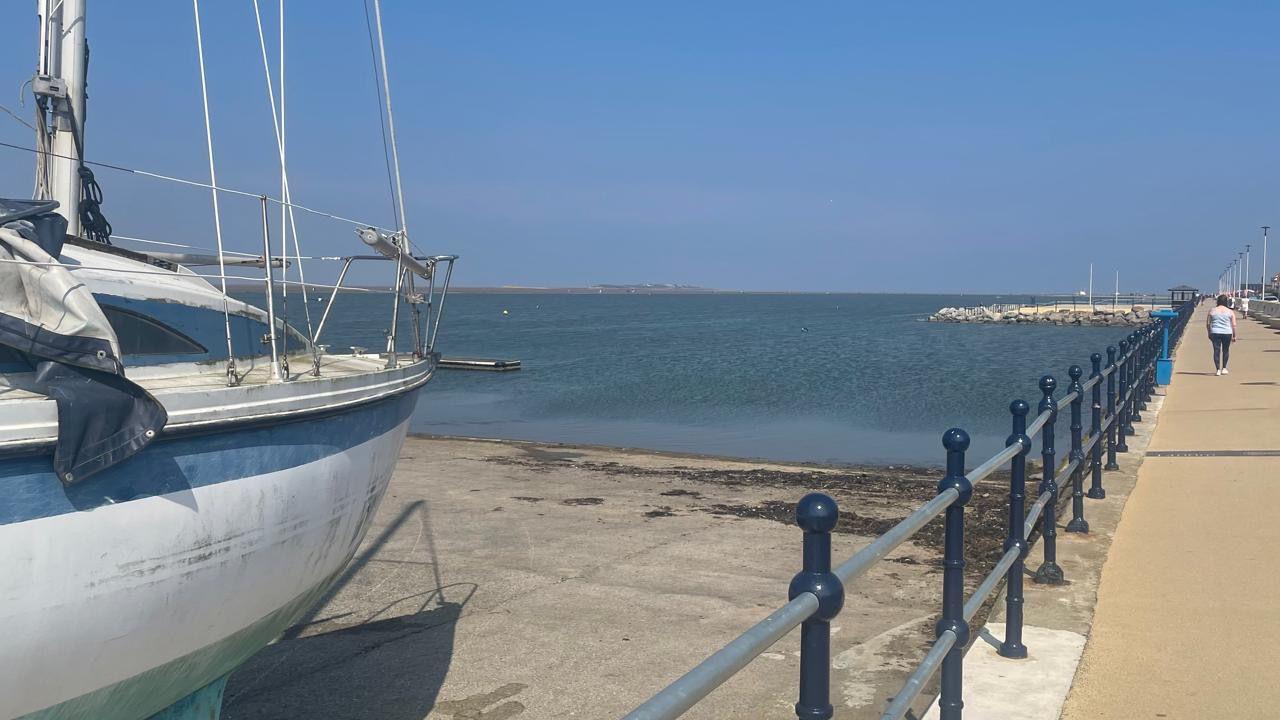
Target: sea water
810	377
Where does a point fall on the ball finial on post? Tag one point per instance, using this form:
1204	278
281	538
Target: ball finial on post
1048	384
817	512
955	440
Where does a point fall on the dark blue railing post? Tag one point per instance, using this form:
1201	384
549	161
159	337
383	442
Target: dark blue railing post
1049	573
1157	347
1122	414
1096	490
1131	397
1078	523
951	699
1111	409
1137	378
1012	646
1148	367
817	514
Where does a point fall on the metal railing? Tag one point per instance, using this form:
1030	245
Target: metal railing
816	594
1099	302
1074	303
1264	309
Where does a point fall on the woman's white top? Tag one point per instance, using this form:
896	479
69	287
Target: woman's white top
1220	321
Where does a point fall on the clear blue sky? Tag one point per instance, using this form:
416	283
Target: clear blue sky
809	146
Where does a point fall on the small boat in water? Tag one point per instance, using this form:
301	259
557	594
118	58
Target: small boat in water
184	474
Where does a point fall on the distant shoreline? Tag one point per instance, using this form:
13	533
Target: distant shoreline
523	290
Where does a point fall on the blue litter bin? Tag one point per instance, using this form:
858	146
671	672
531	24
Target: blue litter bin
1164	365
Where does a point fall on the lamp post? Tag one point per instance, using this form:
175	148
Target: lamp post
1246	269
1265	228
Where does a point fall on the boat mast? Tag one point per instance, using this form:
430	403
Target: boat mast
59	86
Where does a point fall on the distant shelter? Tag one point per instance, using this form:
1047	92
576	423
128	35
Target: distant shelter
1182	293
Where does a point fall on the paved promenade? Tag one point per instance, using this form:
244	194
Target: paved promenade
1187	625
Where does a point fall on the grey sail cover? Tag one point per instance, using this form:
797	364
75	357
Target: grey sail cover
103	417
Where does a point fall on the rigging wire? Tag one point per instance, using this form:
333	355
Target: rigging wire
402	242
203	276
197	183
382	118
287	221
15	116
213	180
391	121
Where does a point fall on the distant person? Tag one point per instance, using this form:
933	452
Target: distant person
1221	324
1244	304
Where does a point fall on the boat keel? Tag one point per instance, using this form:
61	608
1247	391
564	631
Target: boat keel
203	704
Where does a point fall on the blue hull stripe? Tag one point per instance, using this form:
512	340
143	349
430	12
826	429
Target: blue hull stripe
30	490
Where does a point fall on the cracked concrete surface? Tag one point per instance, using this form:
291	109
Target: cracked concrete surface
481	593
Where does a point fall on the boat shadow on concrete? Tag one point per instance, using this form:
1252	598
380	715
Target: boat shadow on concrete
390	668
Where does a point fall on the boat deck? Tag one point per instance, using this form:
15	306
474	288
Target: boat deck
158	379
197	394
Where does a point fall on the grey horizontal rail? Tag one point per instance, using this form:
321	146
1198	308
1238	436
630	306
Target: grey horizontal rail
855	566
980	594
1038	423
1066	399
1088	444
1034	515
993	463
711	673
915	684
1088	384
1070	467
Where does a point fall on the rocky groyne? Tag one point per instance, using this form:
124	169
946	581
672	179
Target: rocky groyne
1043	316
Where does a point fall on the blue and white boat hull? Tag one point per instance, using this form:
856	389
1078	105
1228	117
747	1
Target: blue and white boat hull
125	594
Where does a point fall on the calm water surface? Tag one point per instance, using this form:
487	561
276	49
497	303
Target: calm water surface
828	378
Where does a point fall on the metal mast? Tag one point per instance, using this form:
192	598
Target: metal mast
59	86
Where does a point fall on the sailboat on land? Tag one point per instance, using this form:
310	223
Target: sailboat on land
184	474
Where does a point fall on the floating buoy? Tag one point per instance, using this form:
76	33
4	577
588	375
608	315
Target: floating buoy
505	312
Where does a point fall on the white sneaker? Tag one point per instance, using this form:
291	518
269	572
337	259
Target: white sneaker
1219	373
1225	371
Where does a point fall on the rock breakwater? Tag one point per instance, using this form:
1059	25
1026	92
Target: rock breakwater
1041	316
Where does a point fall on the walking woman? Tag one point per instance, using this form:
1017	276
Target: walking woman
1221	323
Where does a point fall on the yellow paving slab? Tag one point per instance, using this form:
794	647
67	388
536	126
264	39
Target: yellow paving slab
1187	625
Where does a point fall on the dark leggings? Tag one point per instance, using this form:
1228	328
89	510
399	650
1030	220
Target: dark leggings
1221	349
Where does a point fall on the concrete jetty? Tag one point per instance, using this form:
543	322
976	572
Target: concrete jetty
1044	315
